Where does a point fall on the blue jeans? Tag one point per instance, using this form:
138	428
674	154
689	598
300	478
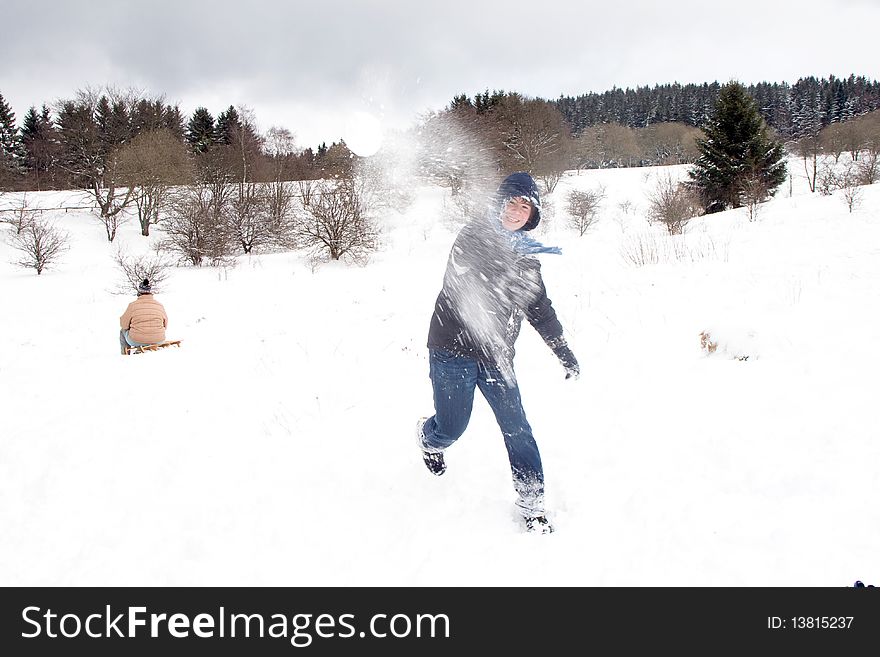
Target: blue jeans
125	341
454	379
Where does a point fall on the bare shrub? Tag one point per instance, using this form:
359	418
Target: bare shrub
852	196
827	181
134	269
382	183
868	168
41	245
550	178
849	182
247	214
649	248
754	192
19	216
197	226
672	204
306	190
642	249
583	208
548	214
847	179
470	201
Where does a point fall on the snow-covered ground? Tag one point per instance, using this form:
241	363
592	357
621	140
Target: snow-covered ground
276	446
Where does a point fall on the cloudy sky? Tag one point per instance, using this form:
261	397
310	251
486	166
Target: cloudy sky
319	67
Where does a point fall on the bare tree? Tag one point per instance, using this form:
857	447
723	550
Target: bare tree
673	204
91	129
584	150
809	148
619	145
532	132
112	201
668	143
452	150
607	145
869	168
337	224
41	245
247	208
279	145
833	140
583	208
150	164
862	133
553	166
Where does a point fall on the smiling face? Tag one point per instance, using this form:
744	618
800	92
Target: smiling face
516	213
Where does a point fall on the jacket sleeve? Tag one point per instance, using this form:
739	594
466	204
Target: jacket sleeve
125	319
542	316
540	311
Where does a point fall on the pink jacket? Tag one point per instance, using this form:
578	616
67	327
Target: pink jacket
145	320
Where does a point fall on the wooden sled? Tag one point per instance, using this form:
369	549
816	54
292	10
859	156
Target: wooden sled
152	347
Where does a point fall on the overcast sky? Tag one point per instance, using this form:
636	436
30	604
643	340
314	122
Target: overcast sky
314	67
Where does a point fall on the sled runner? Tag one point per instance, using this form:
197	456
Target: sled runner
152	347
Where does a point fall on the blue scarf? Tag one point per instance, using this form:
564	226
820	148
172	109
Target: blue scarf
526	245
519	240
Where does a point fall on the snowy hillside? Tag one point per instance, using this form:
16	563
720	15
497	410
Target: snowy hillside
276	447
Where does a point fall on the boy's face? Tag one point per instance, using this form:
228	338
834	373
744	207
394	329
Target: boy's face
516	213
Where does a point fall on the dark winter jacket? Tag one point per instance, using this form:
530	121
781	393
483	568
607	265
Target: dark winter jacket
490	284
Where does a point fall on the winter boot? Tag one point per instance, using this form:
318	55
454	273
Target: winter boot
538	524
433	458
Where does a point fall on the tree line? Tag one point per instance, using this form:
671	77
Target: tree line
68	146
791	110
217	186
220	188
74	143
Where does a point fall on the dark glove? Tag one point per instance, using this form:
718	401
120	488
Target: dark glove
569	362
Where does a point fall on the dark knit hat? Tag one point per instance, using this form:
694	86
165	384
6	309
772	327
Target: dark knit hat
521	185
145	287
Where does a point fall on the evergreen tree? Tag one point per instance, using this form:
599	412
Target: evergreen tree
40	146
461	103
737	154
172	120
35	140
102	117
119	127
200	131
11	152
31	125
80	147
228	124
